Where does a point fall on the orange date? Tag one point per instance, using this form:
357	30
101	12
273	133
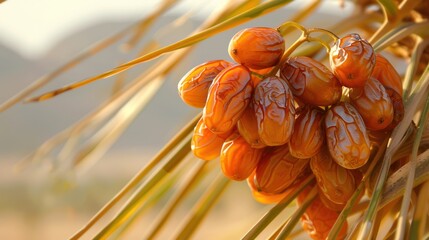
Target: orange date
387	74
257	47
346	136
308	135
248	127
278	169
318	219
275	112
238	159
335	182
194	86
228	97
311	82
398	108
205	144
373	104
352	60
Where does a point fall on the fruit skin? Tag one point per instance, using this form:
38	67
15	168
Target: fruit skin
205	144
336	183
194	85
268	198
398	108
228	97
373	104
238	159
257	47
387	74
275	112
278	169
248	127
318	219
352	60
308	135
311	82
346	136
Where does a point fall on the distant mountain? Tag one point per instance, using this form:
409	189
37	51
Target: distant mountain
25	127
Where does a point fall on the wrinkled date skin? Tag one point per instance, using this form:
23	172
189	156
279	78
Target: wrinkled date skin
387	74
269	198
373	104
248	127
228	97
278	169
311	82
275	112
329	204
238	159
318	219
257	47
308	135
398	108
346	136
205	144
194	86
335	182
352	59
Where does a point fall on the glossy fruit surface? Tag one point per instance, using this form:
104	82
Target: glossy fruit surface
278	169
194	86
346	136
257	47
387	74
308	135
398	108
352	60
274	110
318	219
205	144
373	104
248	127
329	204
335	182
267	198
228	97
238	159
310	81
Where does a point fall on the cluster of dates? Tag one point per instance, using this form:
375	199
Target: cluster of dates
274	121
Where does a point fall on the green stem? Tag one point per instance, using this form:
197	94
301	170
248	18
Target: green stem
176	199
336	228
327	32
287	53
284	26
401	32
393	16
291	223
418	49
203	206
400	231
421	215
139	176
253	13
134	203
397	137
154	196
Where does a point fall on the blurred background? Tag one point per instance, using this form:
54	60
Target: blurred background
45	200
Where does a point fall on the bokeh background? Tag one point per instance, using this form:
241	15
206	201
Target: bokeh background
46	200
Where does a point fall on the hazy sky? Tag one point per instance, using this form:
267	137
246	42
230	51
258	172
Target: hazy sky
30	27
